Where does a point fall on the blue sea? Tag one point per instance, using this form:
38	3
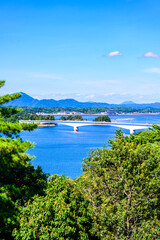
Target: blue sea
60	150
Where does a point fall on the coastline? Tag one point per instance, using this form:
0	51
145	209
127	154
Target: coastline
47	125
118	114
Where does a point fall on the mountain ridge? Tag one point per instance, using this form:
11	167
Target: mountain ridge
27	101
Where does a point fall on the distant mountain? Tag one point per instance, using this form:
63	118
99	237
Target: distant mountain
128	102
27	101
24	101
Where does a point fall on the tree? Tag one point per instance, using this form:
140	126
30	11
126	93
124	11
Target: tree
123	185
63	213
102	119
72	118
19	181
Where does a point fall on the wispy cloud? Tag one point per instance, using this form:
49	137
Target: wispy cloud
109	94
152	70
139	97
150	55
110	98
113	54
90	96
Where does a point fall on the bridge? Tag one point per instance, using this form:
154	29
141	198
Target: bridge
76	125
129	126
132	127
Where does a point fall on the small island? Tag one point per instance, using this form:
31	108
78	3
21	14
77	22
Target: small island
102	119
72	118
30	116
37	117
47	124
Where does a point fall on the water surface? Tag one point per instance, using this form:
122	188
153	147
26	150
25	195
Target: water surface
59	150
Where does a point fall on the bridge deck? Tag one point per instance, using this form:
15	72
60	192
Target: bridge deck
130	126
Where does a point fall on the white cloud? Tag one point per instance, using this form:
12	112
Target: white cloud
139	97
150	55
109	94
91	96
113	54
115	98
152	70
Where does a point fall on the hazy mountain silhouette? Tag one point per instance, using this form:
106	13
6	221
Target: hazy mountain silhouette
28	101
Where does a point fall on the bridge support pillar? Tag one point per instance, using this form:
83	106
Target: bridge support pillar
132	131
76	129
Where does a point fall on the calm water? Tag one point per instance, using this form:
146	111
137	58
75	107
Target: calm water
59	150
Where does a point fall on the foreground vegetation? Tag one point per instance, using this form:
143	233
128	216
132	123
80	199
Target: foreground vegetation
116	198
19	180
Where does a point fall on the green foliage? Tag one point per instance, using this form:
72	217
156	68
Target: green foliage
72	118
63	213
116	198
123	185
19	181
102	119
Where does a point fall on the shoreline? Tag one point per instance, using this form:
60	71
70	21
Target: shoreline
118	114
47	125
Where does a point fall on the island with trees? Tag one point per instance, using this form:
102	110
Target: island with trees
116	198
28	115
102	119
72	118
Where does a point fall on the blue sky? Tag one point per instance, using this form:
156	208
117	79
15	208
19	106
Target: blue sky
106	50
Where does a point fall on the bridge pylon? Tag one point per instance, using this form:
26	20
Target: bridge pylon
76	129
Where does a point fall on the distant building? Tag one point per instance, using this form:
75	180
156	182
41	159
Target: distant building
109	112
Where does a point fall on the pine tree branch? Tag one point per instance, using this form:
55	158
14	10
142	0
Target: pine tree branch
7	98
7	112
2	82
10	129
